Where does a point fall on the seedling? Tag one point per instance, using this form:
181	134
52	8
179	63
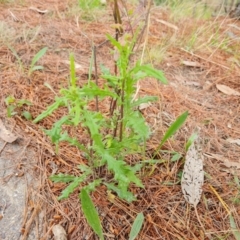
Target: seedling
13	106
35	59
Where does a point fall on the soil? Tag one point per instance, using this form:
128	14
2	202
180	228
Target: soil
195	70
19	184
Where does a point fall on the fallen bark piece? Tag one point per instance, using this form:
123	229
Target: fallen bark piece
6	135
59	232
193	176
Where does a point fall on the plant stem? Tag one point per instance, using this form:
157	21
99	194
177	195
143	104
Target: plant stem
96	73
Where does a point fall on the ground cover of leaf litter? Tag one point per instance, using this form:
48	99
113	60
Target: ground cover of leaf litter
28	199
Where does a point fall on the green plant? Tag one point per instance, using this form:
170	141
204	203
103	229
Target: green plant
89	9
89	4
13	105
136	227
112	137
35	59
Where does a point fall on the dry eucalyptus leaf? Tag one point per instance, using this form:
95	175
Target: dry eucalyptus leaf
224	161
193	176
167	24
236	141
6	135
59	232
227	90
38	10
191	64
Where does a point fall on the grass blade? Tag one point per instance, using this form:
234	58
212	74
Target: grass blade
136	227
38	56
235	231
91	213
173	128
191	140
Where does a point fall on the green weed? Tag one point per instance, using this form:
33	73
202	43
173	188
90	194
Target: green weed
112	137
35	59
89	9
13	106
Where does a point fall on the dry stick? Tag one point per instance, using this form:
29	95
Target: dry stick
145	24
128	17
218	64
118	32
30	221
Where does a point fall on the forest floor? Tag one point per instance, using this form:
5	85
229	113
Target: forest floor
200	57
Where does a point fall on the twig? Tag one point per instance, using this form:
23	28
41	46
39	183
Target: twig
218	64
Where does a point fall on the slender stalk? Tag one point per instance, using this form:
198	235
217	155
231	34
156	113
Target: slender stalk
121	112
96	73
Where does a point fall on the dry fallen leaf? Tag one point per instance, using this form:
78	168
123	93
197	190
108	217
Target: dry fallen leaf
227	90
59	232
38	10
191	64
6	135
236	141
225	162
167	24
193	176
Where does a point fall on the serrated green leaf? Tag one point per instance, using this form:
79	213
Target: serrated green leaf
58	103
105	70
55	132
92	186
91	213
114	42
123	194
149	72
72	186
62	178
146	99
235	231
174	127
137	123
136	227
